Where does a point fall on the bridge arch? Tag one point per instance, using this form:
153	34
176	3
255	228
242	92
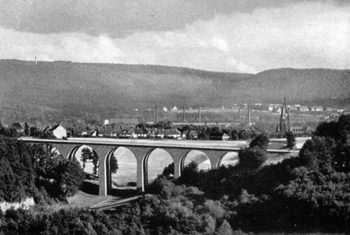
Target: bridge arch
88	165
121	154
228	159
200	157
165	155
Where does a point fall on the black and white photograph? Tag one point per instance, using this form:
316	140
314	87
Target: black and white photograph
156	117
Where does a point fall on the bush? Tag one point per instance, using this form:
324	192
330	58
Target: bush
33	171
59	176
290	139
252	157
261	141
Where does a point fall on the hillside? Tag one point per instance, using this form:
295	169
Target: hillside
53	90
299	85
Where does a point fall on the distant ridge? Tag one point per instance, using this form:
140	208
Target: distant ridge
65	88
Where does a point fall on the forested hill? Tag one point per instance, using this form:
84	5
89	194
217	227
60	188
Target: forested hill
29	89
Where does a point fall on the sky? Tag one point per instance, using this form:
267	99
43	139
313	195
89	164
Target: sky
245	36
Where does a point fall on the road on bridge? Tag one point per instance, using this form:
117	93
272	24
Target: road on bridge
164	143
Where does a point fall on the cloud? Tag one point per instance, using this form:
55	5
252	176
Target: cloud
304	35
220	44
121	18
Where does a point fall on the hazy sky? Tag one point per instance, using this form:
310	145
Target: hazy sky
218	35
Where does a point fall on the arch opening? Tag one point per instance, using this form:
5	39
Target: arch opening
88	160
121	170
155	163
198	157
229	159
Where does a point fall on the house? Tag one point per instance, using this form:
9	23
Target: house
303	109
94	133
141	133
329	109
127	134
106	122
152	133
317	108
297	129
172	134
165	109
174	108
219	136
108	131
169	134
58	131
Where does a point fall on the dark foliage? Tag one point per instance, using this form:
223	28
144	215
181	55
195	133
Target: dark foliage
290	139
35	171
261	141
309	193
252	157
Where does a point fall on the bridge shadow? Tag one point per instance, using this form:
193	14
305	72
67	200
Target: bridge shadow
93	189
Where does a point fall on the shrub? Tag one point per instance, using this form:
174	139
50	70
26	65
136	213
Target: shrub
261	141
252	157
290	139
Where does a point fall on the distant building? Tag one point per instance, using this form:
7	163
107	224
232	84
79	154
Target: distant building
58	131
297	129
141	133
165	109
219	136
127	134
174	108
303	109
169	134
329	109
109	131
317	108
94	133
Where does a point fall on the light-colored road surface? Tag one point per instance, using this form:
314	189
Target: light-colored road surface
184	144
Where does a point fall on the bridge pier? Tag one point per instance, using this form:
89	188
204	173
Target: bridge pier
177	169
102	153
215	157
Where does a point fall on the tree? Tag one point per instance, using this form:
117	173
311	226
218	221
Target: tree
113	165
26	129
168	170
59	176
318	153
261	141
290	139
252	157
87	154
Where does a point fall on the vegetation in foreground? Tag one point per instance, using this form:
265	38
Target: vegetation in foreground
309	193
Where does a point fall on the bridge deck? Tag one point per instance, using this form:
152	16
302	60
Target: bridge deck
181	144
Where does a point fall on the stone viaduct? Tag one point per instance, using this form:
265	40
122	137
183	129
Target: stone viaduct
142	149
